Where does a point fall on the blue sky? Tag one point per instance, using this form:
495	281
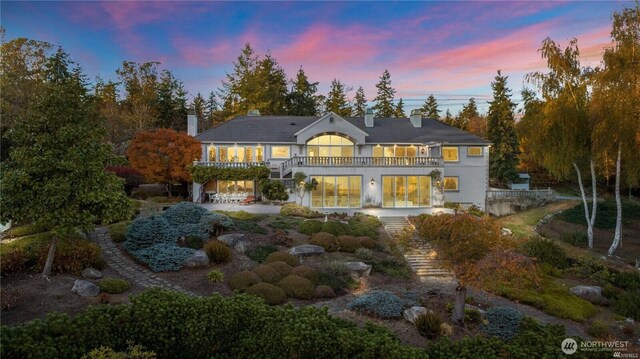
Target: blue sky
450	49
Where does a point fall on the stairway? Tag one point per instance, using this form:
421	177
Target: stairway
421	257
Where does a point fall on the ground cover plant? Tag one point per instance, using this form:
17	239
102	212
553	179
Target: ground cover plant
606	214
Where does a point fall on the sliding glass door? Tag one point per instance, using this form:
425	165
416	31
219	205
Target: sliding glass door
406	191
337	192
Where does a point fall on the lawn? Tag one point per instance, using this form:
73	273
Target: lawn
522	223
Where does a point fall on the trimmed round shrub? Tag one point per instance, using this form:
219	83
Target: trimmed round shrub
297	287
367	242
218	251
363	225
114	285
324	291
243	280
546	251
429	325
267	273
349	244
280	238
215	223
296	210
310	226
282	257
335	228
146	232
118	231
306	272
215	276
599	330
503	322
184	213
281	267
379	303
628	304
325	240
271	294
163	257
364	253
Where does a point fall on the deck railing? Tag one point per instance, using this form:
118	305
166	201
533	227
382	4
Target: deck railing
230	164
507	193
328	161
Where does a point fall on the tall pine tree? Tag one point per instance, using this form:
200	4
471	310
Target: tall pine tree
448	119
302	99
400	109
430	108
337	99
469	111
384	100
359	103
270	92
501	132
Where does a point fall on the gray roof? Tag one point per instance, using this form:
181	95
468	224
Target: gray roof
281	129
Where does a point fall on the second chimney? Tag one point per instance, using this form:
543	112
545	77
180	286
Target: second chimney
192	123
368	118
416	118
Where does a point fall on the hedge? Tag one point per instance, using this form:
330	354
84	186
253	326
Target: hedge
202	174
175	325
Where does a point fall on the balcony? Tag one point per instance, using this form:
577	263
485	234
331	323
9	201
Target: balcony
229	164
304	161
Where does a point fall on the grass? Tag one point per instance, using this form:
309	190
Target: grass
285	223
25	230
248	226
606	214
522	223
260	254
243	215
393	268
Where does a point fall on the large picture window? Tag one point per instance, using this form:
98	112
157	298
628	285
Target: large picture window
450	154
235	154
337	192
406	191
280	152
330	146
395	151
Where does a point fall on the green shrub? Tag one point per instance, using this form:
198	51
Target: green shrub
472	315
627	280
429	324
215	276
606	214
274	190
218	251
367	242
271	294
577	239
337	267
248	226
184	213
133	352
324	291
628	304
393	268
281	267
193	242
364	253
335	228
325	240
349	244
280	237
267	273
599	330
282	257
26	230
296	210
306	272
297	287
146	232
163	257
503	322
243	280
310	226
588	267
114	285
260	253
546	251
285	223
363	225
382	304
339	283
610	291
244	216
118	231
216	223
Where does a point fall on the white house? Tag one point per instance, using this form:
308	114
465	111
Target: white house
390	162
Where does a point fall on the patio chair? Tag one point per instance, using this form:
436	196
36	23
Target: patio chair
249	200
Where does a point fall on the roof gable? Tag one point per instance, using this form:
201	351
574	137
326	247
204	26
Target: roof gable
330	123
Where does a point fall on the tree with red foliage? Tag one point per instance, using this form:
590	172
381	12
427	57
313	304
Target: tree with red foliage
164	155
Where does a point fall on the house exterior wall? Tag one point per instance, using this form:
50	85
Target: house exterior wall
473	177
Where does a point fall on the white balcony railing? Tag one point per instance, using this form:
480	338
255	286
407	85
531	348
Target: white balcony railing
229	164
305	161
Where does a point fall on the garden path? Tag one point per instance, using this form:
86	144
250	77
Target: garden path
127	267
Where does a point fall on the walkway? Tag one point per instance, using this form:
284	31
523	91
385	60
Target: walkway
127	267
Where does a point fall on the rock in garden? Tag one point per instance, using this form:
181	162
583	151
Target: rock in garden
590	293
411	313
506	232
231	238
85	289
306	250
91	273
199	258
358	269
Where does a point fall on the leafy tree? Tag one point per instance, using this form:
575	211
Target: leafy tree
303	186
337	99
532	118
108	109
55	176
164	156
359	103
302	100
400	109
274	190
384	100
140	104
430	108
561	143
501	132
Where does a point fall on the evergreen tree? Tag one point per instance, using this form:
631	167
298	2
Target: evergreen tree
236	91
55	176
448	119
337	99
302	100
384	100
199	105
269	94
360	103
400	109
212	110
469	111
140	103
430	108
501	132
172	103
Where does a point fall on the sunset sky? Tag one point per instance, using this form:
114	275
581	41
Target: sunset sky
450	49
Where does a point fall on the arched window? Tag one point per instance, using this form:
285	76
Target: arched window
330	146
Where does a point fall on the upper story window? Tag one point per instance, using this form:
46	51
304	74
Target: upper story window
280	152
395	151
330	146
474	151
235	153
450	154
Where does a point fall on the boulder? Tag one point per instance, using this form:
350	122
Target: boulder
590	293
91	273
411	313
358	269
199	258
85	289
306	250
231	238
506	232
